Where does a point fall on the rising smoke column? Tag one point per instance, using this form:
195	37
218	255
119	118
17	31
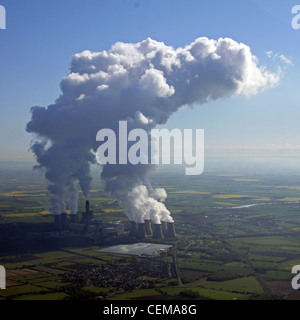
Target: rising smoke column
143	83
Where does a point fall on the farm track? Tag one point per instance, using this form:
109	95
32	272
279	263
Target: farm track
175	261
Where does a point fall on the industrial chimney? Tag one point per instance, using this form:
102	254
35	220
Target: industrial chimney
57	222
164	227
141	231
170	230
88	215
64	220
133	229
148	227
157	233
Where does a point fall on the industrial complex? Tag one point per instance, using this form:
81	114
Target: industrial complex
87	223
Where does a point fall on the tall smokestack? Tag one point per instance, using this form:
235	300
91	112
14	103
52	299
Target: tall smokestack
133	229
164	227
157	234
148	227
64	220
88	215
171	230
141	231
57	222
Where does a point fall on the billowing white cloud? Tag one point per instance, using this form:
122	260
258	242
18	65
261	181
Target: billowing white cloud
143	83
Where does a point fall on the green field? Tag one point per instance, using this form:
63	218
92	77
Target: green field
226	249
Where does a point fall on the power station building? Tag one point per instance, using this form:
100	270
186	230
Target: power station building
87	224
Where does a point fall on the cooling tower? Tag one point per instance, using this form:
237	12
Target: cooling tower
57	222
133	229
148	227
164	227
64	220
157	233
141	231
170	230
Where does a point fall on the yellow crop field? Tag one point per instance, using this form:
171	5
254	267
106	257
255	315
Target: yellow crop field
45	212
113	210
225	203
230	196
297	229
289	199
19	215
21	194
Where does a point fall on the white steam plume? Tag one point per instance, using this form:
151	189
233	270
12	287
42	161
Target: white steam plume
143	83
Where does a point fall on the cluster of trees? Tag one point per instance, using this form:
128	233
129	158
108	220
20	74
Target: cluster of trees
222	276
190	294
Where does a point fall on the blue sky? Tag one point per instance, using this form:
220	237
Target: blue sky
42	35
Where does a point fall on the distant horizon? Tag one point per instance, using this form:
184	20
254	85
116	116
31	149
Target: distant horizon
225	163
